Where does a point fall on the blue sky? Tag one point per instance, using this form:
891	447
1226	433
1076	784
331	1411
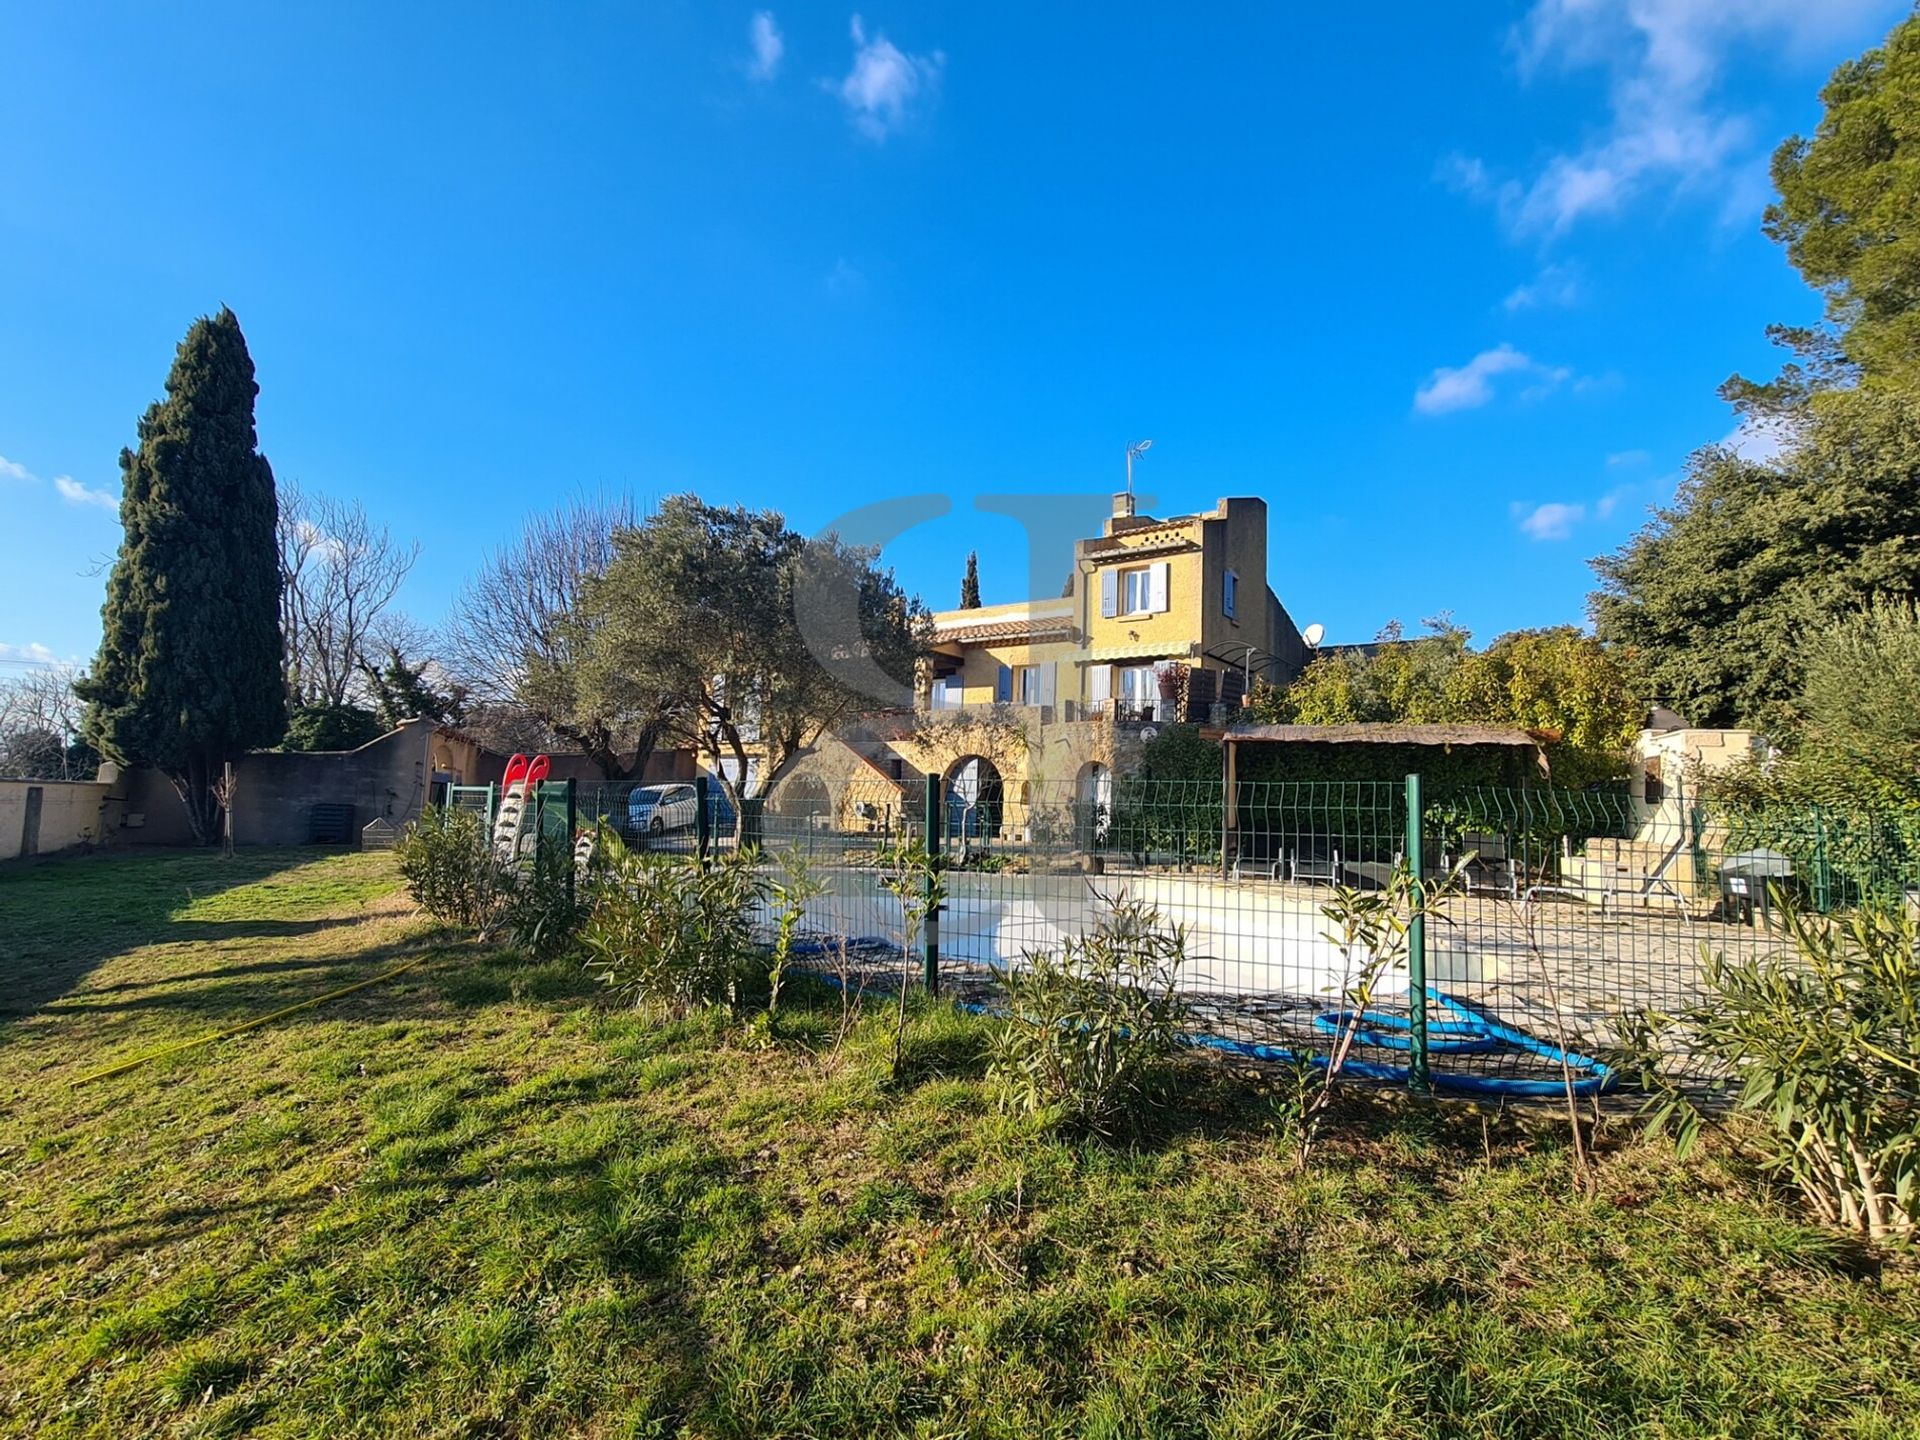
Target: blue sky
1451	286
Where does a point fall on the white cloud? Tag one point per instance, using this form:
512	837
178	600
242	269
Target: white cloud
1604	507
74	493
885	83
1664	60
845	277
1552	521
14	470
1469	386
32	654
1467	174
769	46
1627	457
1556	286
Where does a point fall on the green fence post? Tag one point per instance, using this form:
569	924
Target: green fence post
1417	1076
702	820
1822	880
487	824
930	926
573	823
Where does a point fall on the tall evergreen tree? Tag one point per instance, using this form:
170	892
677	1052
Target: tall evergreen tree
188	675
970	585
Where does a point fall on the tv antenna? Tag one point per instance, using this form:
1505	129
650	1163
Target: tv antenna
1132	451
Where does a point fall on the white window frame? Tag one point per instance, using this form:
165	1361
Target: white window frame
1136	591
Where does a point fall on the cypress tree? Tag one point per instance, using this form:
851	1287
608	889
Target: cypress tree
188	675
970	586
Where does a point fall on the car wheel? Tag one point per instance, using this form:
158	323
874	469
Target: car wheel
658	827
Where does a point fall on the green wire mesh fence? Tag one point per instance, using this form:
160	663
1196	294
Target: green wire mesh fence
1570	910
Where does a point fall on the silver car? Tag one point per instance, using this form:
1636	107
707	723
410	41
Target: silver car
656	809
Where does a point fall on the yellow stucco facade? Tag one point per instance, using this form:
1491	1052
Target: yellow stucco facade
1164	620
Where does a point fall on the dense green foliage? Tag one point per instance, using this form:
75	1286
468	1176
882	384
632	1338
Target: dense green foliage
723	628
1849	207
1824	1041
1717	595
970	583
672	931
1844	799
331	727
1860	702
446	859
453	872
1563	685
1090	1028
1167	804
403	691
470	1200
188	676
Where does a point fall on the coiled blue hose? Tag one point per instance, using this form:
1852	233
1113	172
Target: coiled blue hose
1470	1031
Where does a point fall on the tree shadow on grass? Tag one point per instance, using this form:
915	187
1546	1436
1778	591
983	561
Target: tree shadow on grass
66	917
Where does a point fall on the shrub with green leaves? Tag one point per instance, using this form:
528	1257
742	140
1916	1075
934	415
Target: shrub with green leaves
544	911
447	859
1823	1040
666	931
1091	1027
790	893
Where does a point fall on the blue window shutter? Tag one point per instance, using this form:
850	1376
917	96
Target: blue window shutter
1003	685
1109	594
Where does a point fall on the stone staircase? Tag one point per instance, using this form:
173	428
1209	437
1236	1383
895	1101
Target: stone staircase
1643	871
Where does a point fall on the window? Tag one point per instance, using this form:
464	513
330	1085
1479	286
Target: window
1029	686
1139	691
1229	594
1139	591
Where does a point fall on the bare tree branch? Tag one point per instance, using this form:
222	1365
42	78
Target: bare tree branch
339	572
40	725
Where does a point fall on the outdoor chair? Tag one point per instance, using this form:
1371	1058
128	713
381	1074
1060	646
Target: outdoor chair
1315	867
1491	867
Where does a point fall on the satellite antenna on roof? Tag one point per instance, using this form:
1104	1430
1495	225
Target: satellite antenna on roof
1313	635
1132	451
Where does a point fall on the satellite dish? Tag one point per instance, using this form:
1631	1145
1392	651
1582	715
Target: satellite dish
1148	732
1313	635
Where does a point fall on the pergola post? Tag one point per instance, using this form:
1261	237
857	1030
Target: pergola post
1229	807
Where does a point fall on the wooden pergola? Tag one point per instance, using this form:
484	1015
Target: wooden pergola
1437	737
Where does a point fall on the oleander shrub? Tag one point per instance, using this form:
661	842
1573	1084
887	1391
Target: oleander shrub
447	860
1092	1027
669	932
1822	1042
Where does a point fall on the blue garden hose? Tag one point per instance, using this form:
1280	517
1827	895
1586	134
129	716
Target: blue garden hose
1470	1031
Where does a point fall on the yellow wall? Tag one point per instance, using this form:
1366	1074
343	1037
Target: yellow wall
980	668
1174	631
1232	536
69	814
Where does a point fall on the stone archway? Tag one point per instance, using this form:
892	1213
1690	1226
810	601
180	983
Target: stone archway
1092	805
804	798
976	797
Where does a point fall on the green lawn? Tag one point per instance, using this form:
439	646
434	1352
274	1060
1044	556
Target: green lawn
474	1201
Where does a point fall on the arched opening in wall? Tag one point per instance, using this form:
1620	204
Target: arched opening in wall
976	797
804	798
1092	805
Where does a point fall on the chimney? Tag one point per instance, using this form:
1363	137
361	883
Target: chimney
1123	505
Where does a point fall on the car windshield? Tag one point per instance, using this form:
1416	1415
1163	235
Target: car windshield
650	795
